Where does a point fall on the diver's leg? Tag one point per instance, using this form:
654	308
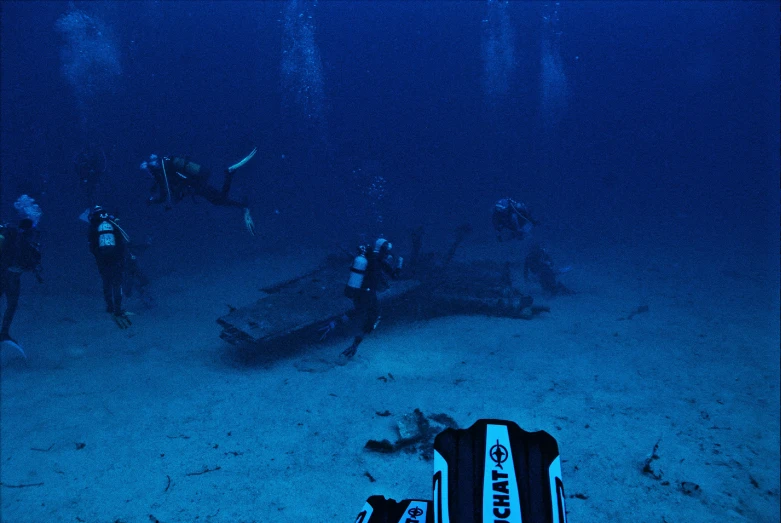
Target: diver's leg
116	285
226	183
12	286
105	276
369	306
216	197
361	305
372	313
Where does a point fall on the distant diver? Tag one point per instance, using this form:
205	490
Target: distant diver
539	264
90	165
367	278
176	177
514	217
19	252
108	243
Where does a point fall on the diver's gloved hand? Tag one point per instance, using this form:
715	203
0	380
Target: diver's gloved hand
248	221
380	510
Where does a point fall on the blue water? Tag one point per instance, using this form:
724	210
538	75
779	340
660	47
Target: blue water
614	122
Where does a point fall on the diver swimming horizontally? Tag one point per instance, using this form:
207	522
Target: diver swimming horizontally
176	177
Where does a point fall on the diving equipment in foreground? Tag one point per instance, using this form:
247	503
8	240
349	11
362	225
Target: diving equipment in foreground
492	472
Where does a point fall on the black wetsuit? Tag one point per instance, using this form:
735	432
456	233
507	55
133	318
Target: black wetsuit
513	216
109	247
539	263
177	177
89	167
18	254
365	302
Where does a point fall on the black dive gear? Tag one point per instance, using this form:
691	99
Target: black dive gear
108	244
177	177
539	263
367	278
492	472
20	252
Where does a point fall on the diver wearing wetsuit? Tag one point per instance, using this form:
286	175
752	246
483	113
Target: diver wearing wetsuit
177	177
540	264
19	253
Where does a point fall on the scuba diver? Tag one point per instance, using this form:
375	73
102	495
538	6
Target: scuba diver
19	252
367	278
90	165
108	243
539	263
514	217
177	177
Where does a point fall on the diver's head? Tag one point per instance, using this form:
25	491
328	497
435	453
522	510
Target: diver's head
150	163
97	212
382	246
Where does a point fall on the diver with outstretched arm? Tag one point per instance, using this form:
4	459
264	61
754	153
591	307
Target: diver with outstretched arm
176	177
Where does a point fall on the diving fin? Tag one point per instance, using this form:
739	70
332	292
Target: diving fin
380	510
13	345
242	162
496	471
122	320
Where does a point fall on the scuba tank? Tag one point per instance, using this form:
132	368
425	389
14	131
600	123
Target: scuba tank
106	238
357	274
189	170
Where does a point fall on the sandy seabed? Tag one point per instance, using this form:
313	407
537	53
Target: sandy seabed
163	423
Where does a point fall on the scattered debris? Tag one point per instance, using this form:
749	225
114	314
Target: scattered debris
22	485
637	310
168	485
80	445
384	413
753	480
689	488
383	446
371	478
204	471
578	495
416	434
43	450
650	467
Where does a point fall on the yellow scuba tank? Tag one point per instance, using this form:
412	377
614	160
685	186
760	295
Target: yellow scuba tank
357	274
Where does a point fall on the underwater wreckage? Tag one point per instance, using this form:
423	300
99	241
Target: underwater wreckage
432	286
